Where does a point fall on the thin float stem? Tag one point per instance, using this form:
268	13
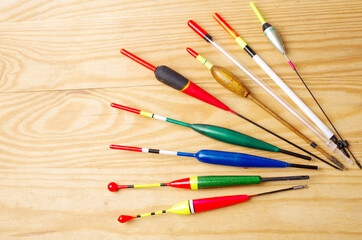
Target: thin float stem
280	190
324	113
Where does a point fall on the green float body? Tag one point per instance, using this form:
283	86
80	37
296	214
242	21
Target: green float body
232	137
222	181
199	182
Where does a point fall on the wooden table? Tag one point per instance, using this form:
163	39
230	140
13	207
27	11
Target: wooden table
61	68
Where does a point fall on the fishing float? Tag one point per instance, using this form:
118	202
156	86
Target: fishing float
231	82
221	158
329	143
204	204
175	80
218	133
258	60
202	182
274	38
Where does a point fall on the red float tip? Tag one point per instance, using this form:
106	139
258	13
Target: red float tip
226	26
125	218
138	60
202	33
127	148
192	52
113	187
122	107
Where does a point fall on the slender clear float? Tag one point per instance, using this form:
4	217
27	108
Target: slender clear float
258	60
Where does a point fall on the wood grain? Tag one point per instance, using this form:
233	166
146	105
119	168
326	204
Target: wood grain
60	68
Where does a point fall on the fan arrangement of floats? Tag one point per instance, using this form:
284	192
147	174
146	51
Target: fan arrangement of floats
227	79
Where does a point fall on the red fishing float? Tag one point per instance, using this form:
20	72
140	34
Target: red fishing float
175	80
204	204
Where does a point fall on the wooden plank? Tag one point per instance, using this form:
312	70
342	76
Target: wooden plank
60	69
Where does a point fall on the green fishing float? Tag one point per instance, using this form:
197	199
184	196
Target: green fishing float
218	133
200	182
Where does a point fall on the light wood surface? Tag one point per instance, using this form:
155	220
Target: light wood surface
61	67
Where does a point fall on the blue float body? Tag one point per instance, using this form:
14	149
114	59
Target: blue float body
238	159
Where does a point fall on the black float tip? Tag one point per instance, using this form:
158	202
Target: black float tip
287	178
303	166
295	154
